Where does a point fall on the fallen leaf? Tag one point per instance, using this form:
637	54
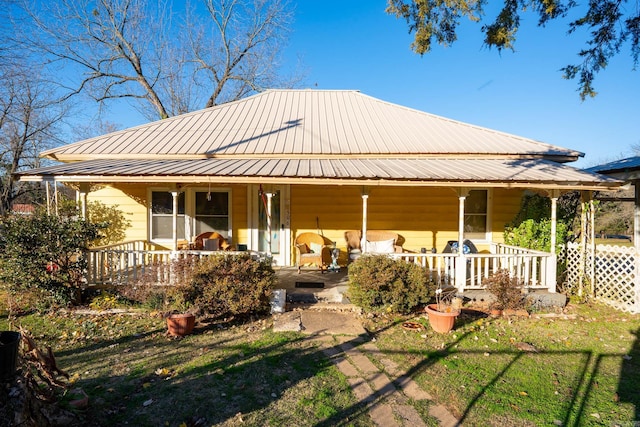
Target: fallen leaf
524	393
147	402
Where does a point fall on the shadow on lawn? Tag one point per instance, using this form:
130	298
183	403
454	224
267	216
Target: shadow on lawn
242	376
211	387
628	390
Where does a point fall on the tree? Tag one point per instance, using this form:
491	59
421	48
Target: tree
609	23
221	51
29	117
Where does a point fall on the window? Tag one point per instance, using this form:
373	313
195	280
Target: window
212	212
162	215
475	214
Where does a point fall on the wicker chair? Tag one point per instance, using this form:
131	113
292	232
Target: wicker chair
312	249
198	242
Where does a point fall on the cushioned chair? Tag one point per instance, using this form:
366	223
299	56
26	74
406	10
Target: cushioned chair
198	242
379	241
311	249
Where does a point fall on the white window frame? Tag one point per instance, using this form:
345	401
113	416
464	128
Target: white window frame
487	236
189	211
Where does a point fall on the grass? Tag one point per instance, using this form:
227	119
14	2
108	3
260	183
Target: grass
224	374
584	372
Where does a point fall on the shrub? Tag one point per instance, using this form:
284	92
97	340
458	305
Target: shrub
506	288
536	235
45	253
228	285
378	283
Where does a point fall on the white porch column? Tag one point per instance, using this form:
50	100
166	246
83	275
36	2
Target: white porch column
174	195
82	195
551	270
269	197
554	219
46	183
365	197
461	265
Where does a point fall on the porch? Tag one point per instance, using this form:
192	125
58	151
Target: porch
130	262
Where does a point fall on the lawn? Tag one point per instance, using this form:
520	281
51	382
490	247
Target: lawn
580	367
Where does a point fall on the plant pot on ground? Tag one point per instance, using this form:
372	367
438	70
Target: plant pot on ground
180	324
442	315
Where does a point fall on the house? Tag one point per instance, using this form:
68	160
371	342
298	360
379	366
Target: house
324	161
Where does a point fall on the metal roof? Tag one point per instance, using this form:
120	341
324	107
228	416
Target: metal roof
307	123
400	171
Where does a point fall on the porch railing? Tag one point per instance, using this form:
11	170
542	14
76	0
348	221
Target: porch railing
536	269
130	262
134	261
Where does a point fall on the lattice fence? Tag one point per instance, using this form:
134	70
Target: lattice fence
614	270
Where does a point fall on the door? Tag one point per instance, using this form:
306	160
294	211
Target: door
271	217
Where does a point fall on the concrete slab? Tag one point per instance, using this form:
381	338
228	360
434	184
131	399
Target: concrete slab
331	323
285	322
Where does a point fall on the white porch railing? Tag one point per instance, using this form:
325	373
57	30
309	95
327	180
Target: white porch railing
134	261
536	269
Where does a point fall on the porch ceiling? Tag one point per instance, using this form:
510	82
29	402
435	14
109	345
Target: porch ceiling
479	172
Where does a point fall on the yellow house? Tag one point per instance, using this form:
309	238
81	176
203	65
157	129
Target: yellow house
262	170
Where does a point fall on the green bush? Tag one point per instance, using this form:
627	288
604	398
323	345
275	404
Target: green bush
45	253
380	283
229	285
536	235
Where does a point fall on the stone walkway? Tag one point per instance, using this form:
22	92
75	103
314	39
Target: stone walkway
386	392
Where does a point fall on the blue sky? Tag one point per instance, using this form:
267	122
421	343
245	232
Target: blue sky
355	45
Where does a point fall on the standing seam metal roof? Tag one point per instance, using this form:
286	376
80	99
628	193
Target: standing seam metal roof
305	122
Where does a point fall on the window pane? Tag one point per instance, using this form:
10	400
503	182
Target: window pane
475	223
162	227
162	203
218	205
209	223
476	202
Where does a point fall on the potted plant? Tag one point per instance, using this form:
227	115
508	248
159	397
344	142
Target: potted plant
443	313
507	291
181	316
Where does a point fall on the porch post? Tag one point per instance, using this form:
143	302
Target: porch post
82	194
269	196
174	195
636	243
461	266
365	196
46	183
550	274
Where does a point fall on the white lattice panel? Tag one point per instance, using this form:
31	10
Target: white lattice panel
615	272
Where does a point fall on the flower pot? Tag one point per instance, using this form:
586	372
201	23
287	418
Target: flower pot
180	324
441	322
9	341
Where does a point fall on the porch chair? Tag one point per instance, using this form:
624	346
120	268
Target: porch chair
198	242
312	249
379	241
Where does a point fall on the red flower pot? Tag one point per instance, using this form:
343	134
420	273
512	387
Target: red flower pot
441	321
180	325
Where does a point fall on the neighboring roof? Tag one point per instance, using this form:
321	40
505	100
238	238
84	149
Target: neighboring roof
624	169
402	171
307	123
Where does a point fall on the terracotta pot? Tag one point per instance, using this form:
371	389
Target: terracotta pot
496	312
180	325
440	321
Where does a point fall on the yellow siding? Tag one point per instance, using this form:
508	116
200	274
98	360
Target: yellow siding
132	199
424	217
